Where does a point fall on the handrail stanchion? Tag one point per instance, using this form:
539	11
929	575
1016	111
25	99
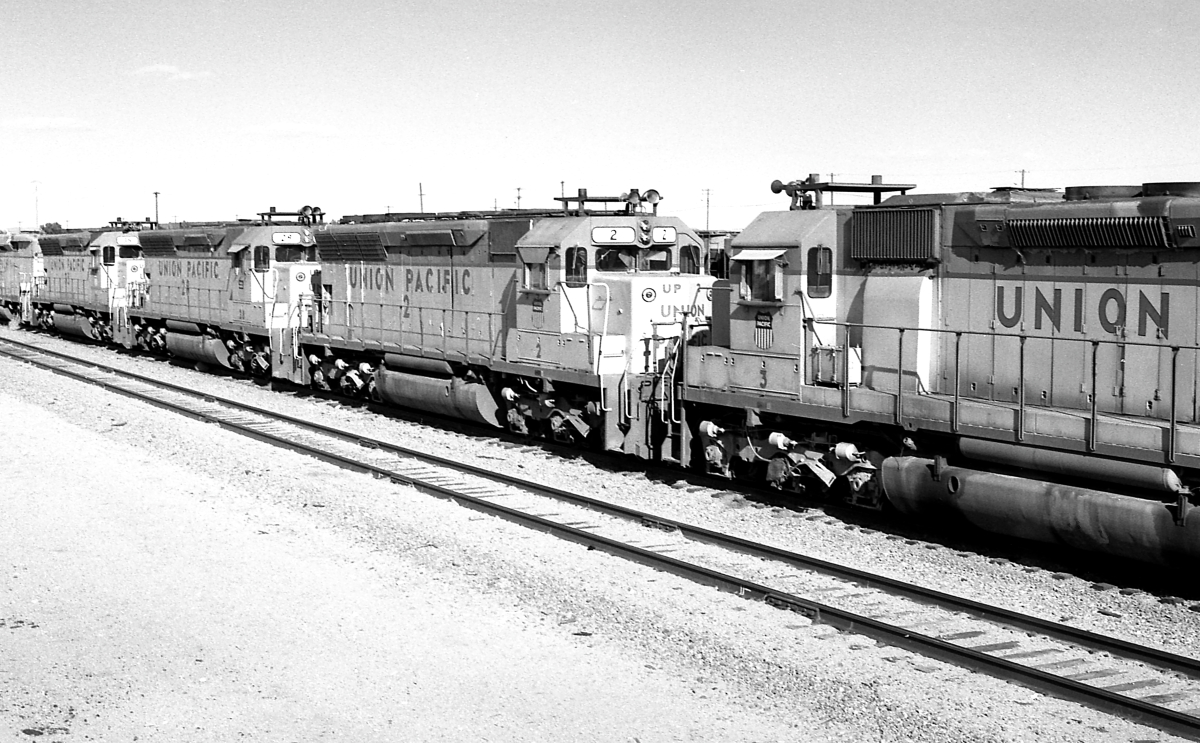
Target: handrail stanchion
1091	442
1021	390
900	381
957	376
1171	440
846	375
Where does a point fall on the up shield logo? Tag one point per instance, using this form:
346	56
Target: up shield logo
648	294
764	336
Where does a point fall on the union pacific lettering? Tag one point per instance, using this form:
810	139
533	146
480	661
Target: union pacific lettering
416	280
189	269
63	264
1056	309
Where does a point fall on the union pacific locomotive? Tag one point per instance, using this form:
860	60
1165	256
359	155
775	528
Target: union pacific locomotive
1024	358
1007	356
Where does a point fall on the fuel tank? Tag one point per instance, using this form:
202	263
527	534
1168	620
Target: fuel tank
73	324
1086	519
201	348
448	396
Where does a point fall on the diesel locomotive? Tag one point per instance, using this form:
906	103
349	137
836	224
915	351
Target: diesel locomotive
1024	359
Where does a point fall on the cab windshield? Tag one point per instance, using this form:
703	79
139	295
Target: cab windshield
633	259
291	254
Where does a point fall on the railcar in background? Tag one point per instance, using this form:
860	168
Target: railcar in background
1024	358
561	324
86	277
233	295
22	276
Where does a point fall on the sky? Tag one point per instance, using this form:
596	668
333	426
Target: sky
227	107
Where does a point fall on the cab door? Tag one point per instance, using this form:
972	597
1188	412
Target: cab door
534	340
576	294
249	266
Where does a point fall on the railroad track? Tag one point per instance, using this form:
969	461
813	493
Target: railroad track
1146	685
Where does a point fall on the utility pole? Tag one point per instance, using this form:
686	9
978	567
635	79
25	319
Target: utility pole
707	199
37	217
562	189
518	198
1022	171
831	176
156	206
421	195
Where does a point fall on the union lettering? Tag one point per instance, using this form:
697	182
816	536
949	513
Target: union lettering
1111	310
372	278
675	310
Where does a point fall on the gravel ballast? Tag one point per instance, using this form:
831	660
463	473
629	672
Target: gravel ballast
696	664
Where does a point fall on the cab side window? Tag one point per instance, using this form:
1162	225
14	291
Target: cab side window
536	276
761	281
820	272
110	255
577	267
689	259
262	257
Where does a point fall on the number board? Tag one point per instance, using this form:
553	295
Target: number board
286	238
613	235
663	235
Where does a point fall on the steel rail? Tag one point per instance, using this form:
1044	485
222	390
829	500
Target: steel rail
1099	698
995	614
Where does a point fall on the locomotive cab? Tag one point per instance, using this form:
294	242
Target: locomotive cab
273	271
22	277
83	285
604	302
227	293
117	253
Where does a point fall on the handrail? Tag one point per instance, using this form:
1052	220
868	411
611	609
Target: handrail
1170	451
604	328
992	334
570	306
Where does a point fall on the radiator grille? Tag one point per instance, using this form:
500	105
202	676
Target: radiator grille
50	246
62	244
1091	232
350	247
894	235
157	245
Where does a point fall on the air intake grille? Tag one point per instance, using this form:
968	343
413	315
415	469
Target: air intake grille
1094	232
894	235
350	247
157	245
